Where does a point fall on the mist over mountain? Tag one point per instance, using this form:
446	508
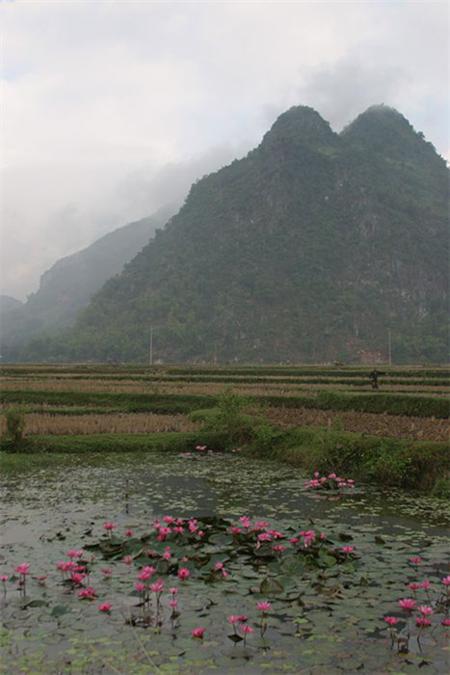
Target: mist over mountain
310	248
7	303
70	283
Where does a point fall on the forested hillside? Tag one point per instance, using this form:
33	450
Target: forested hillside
310	248
70	283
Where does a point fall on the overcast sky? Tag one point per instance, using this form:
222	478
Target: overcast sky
110	109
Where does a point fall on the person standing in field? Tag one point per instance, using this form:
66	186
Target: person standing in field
373	377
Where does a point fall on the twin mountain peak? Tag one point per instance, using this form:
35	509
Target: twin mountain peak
311	248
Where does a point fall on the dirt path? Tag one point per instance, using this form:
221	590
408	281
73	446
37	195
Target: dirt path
398	426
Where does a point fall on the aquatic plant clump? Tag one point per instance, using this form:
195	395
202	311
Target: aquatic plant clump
181	550
330	482
164	561
429	607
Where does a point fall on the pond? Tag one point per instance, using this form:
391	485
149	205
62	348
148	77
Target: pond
326	601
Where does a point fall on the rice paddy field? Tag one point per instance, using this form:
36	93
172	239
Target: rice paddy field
410	403
224	520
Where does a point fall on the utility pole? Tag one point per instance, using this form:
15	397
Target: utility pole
389	347
150	355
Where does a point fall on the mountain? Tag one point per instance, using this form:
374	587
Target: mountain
7	303
8	308
70	283
310	248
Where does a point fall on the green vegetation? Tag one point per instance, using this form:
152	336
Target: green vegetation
15	426
230	419
103	443
392	404
122	402
387	461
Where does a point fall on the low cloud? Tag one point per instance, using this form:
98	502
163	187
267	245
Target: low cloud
111	109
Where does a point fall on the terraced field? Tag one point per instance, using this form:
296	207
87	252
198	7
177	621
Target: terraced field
410	402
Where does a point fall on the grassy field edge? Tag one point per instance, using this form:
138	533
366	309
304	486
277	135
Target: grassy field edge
162	441
417	465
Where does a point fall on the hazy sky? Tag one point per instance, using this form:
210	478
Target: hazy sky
110	109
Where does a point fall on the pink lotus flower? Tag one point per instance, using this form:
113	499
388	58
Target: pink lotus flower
163	533
108	526
264	606
105	607
129	533
245	521
425	610
415	560
146	573
23	569
107	572
246	629
391	620
139	587
426	585
178	529
168	520
347	549
173	590
173	603
294	540
445	622
192	525
408	604
183	573
77	578
198	633
260	525
88	593
157	587
128	560
167	553
308	539
66	566
264	536
75	553
243	618
414	586
422	622
233	619
446	581
279	548
235	530
4	578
